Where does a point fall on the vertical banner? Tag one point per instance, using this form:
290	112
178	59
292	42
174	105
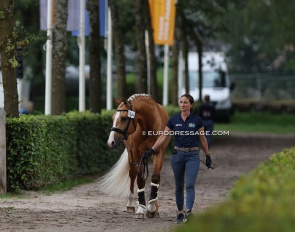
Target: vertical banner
77	32
103	17
73	15
163	20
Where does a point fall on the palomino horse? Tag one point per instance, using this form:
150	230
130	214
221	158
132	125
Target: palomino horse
138	122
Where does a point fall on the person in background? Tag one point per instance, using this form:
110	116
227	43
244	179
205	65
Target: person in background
206	112
188	130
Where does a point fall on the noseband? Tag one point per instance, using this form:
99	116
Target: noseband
131	115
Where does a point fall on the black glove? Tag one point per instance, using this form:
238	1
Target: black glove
208	161
149	152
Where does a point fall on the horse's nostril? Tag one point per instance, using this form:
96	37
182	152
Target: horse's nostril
111	143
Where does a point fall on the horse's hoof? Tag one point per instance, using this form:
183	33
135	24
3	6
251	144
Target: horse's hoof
130	209
152	214
139	216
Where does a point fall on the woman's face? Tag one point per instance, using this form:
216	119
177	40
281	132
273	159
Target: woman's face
184	104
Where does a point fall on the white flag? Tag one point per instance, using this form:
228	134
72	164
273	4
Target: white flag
73	15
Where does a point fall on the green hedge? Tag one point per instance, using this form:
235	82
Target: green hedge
42	150
263	200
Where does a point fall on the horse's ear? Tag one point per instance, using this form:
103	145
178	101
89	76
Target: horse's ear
117	101
125	101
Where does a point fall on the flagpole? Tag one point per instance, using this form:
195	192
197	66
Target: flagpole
109	63
81	43
48	59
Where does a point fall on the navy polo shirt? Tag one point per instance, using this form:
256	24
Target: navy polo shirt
185	133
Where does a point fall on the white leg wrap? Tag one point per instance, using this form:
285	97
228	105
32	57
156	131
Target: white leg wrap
153	184
140	190
131	201
140	212
141	209
152	205
153	200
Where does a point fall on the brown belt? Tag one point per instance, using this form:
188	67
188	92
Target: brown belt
186	149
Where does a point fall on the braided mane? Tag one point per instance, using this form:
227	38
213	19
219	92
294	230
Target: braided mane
139	95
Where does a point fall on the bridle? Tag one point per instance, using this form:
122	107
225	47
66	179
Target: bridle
131	115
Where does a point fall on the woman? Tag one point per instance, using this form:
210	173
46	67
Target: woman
185	161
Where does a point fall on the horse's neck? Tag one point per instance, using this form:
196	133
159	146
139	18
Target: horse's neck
146	114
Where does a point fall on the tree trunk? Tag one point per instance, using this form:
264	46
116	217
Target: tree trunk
197	38
141	80
174	87
95	84
7	51
119	49
185	54
59	51
200	54
152	55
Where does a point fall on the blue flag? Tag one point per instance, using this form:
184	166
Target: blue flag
103	17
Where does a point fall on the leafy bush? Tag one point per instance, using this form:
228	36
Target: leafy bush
42	150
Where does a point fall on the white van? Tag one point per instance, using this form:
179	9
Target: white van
216	82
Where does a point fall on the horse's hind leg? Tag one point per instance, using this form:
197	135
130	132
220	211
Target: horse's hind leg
131	202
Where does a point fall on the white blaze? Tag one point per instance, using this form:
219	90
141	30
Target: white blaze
111	136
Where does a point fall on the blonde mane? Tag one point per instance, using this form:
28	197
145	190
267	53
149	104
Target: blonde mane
139	95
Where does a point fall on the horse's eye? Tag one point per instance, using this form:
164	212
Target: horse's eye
123	119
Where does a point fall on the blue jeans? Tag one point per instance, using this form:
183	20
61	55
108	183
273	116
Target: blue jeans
185	164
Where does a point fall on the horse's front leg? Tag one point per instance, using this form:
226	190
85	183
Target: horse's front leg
152	209
141	209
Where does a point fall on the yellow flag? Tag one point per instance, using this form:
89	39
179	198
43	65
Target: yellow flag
163	20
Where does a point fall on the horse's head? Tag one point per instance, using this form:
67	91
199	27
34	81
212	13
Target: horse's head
122	126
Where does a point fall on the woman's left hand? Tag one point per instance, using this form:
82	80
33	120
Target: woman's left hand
208	161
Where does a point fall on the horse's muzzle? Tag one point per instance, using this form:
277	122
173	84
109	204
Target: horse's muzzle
115	144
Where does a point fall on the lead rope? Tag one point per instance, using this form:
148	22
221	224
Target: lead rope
205	164
144	162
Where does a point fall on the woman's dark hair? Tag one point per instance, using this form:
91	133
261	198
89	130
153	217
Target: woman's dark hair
190	98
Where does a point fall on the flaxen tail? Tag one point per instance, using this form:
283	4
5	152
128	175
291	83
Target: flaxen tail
117	182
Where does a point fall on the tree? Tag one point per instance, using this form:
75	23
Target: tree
29	27
8	62
256	41
141	80
59	51
185	50
94	58
152	55
119	48
198	24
